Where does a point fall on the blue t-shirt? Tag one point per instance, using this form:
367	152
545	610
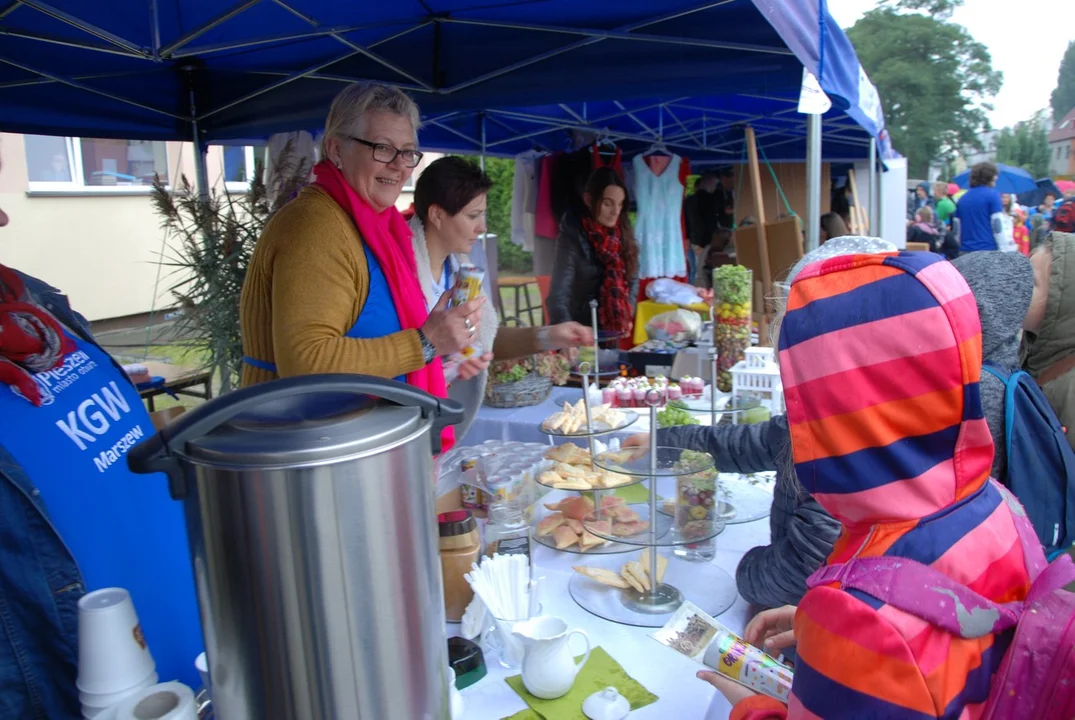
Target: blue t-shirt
975	210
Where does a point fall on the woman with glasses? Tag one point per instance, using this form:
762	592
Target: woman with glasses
332	286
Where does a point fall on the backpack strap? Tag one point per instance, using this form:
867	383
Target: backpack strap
1057	369
1010	381
921	591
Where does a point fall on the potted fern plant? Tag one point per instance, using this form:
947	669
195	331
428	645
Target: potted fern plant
211	238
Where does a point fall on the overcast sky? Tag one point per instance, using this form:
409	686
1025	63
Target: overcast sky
1027	39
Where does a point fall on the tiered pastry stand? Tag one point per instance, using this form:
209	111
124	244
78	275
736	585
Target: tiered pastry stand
703	584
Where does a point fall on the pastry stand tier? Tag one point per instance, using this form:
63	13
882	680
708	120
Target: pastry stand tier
610	546
703	584
595	429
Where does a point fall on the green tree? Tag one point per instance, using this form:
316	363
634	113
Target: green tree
1026	146
510	257
1063	97
935	80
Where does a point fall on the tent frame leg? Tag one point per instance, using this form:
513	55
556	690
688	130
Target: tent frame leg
813	182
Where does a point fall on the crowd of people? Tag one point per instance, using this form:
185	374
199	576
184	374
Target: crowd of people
951	221
918	470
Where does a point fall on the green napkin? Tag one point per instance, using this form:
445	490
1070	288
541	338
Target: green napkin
634	494
600	672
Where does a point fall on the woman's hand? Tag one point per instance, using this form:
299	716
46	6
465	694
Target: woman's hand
731	690
569	334
452	330
772	630
636	440
472	367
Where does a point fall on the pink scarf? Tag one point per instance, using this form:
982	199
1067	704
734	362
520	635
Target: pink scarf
388	237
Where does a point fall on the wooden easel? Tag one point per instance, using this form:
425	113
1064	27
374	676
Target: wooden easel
759	209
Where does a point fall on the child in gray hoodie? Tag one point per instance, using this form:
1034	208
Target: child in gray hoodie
1003	284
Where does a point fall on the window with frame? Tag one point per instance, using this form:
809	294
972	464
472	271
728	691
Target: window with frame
239	164
72	164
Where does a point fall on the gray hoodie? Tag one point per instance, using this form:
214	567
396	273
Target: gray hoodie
1003	284
801	532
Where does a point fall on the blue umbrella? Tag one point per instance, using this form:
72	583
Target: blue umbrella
1011	180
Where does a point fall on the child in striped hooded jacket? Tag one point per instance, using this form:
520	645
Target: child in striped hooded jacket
880	357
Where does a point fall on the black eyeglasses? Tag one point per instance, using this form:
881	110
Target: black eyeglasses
387	154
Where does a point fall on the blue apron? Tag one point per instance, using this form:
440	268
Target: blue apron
378	317
124	530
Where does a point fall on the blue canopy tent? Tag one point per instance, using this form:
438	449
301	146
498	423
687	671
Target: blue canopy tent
194	69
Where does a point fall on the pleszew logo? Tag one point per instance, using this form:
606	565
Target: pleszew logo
51	383
94	415
43	389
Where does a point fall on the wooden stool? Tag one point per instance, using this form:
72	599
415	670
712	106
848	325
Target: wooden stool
521	286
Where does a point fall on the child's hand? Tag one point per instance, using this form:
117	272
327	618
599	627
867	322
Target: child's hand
772	630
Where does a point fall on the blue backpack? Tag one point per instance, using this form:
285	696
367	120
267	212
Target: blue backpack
1041	463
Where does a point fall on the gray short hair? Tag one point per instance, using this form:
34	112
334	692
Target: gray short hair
352	104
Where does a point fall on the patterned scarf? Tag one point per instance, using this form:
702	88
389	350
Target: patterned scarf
614	310
388	237
31	339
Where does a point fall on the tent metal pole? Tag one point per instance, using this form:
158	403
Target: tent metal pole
485	235
875	200
80	86
201	171
586	42
202	29
453	131
622	34
108	49
813	182
85	27
483	143
155	28
880	194
358	48
202	50
567	108
279	83
634	117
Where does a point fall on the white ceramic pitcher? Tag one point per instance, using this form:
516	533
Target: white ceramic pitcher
549	669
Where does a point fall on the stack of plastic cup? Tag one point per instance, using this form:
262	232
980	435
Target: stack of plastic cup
114	661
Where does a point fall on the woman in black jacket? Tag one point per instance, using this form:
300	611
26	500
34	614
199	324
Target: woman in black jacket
596	259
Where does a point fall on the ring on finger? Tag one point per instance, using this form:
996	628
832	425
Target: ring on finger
469	325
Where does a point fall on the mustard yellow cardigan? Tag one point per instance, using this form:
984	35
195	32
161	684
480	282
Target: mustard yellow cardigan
306	285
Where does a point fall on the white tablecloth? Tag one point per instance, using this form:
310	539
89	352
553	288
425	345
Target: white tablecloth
523	424
665	673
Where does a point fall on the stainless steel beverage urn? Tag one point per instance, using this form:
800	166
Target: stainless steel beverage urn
310	516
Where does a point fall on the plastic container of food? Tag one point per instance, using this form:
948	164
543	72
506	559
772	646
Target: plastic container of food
732	307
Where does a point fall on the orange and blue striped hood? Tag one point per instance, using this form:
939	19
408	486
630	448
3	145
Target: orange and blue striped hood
880	356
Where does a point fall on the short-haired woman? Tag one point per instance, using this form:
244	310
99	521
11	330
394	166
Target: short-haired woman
449	215
332	287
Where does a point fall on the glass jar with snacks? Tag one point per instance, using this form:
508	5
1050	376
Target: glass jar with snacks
696	505
732	307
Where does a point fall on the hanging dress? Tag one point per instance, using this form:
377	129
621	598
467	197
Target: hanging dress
659	228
